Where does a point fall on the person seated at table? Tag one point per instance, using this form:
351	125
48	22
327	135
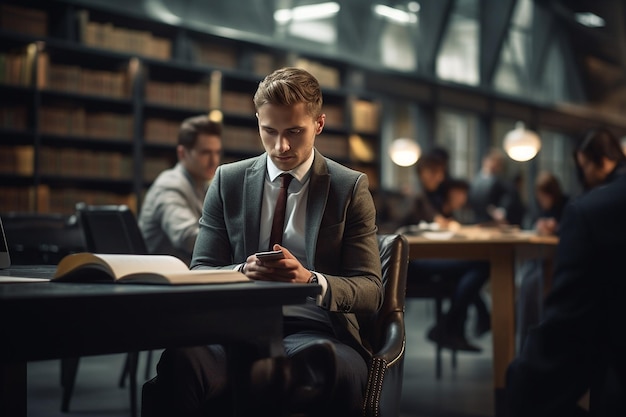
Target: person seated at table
328	238
599	158
493	198
454	206
466	277
551	201
170	211
579	345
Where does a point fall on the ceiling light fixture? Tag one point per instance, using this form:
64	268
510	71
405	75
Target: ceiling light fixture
590	20
307	13
395	15
521	144
404	152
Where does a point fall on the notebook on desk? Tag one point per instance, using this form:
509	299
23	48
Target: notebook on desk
20	273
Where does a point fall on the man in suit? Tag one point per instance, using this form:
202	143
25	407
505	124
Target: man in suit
329	238
580	345
172	207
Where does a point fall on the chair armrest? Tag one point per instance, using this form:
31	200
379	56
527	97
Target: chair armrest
384	384
393	338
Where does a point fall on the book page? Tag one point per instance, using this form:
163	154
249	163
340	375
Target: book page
123	265
117	266
212	276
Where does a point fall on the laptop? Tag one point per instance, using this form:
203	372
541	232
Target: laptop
5	259
20	273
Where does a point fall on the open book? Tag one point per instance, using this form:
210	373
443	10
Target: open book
138	269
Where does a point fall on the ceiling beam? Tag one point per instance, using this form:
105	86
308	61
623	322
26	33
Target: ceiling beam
495	19
434	19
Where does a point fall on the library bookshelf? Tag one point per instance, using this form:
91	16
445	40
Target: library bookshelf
91	100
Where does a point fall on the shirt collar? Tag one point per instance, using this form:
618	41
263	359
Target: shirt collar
300	172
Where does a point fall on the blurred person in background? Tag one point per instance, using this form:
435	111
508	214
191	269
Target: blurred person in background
599	158
579	345
551	201
173	205
494	199
436	205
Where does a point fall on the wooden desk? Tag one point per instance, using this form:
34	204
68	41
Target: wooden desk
53	320
502	250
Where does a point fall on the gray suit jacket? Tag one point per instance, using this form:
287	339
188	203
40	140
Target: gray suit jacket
340	234
169	215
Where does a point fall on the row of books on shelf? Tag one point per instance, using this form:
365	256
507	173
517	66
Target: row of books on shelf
107	35
24	199
78	122
75	79
16	69
326	75
44	199
19	160
153	166
193	96
242	139
333	146
13	117
23	20
236	102
214	55
161	131
64	200
133	41
365	116
85	163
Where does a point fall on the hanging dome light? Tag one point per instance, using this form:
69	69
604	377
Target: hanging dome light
404	152
521	144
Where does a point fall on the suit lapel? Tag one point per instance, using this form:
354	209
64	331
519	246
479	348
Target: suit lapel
252	201
318	195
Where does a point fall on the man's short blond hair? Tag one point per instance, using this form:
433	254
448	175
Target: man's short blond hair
289	86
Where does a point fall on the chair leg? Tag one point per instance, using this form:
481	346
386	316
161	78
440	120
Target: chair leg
148	365
438	348
122	381
131	360
69	369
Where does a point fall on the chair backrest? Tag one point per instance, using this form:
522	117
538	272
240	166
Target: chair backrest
111	229
394	255
41	238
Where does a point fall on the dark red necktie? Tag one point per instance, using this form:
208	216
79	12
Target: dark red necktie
278	223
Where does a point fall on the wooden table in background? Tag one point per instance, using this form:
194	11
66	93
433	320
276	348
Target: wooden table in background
502	250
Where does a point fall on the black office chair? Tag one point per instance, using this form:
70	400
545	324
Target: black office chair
108	229
385	332
41	238
387	338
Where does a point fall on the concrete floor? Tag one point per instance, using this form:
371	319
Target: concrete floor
466	392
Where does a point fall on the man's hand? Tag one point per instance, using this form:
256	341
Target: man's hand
288	269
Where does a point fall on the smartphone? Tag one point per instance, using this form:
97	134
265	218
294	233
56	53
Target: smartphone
271	255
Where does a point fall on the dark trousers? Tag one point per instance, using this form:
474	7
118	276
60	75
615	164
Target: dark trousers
466	277
198	383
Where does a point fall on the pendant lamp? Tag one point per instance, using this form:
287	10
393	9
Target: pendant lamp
521	144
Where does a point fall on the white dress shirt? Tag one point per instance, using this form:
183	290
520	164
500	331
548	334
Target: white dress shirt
295	222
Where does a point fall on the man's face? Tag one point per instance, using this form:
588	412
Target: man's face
594	174
431	177
457	198
544	200
288	133
203	159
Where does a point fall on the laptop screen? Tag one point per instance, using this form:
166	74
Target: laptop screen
5	260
